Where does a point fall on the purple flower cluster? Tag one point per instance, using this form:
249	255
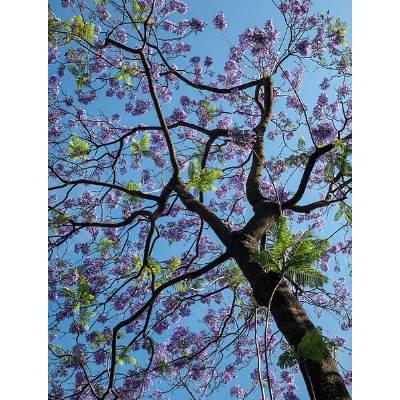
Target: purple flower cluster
208	61
220	21
241	138
294	102
237	391
177	115
53	54
324	132
141	107
259	40
304	48
86	98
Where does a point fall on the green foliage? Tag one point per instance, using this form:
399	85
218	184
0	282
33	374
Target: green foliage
174	264
106	245
81	29
233	275
181	287
52	24
306	252
63	32
344	210
292	256
137	262
202	178
301	144
132	186
140	147
211	111
78	148
57	218
125	358
312	346
339	161
266	261
155	267
125	74
309	277
138	14
339	28
81	299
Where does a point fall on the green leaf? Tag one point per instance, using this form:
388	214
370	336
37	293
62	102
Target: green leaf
202	178
125	74
132	186
106	245
78	148
155	267
68	292
292	256
233	275
312	346
140	147
81	29
174	264
136	6
301	144
310	277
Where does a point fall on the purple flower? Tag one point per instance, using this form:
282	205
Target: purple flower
112	199
197	24
178	115
185	101
54	83
208	61
67	3
100	356
339	341
53	54
195	60
177	5
225	123
347	378
323	99
294	102
169	26
343	91
334	107
228	374
121	35
141	107
237	392
86	98
304	47
219	21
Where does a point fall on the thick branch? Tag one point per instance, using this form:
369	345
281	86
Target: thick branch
306	175
253	191
192	204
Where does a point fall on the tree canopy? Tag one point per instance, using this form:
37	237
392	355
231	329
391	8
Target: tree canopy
200	202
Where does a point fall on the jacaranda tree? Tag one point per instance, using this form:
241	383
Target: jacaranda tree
199	202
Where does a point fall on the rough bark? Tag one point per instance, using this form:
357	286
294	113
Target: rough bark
322	378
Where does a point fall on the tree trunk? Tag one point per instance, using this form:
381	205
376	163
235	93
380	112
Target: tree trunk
322	378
